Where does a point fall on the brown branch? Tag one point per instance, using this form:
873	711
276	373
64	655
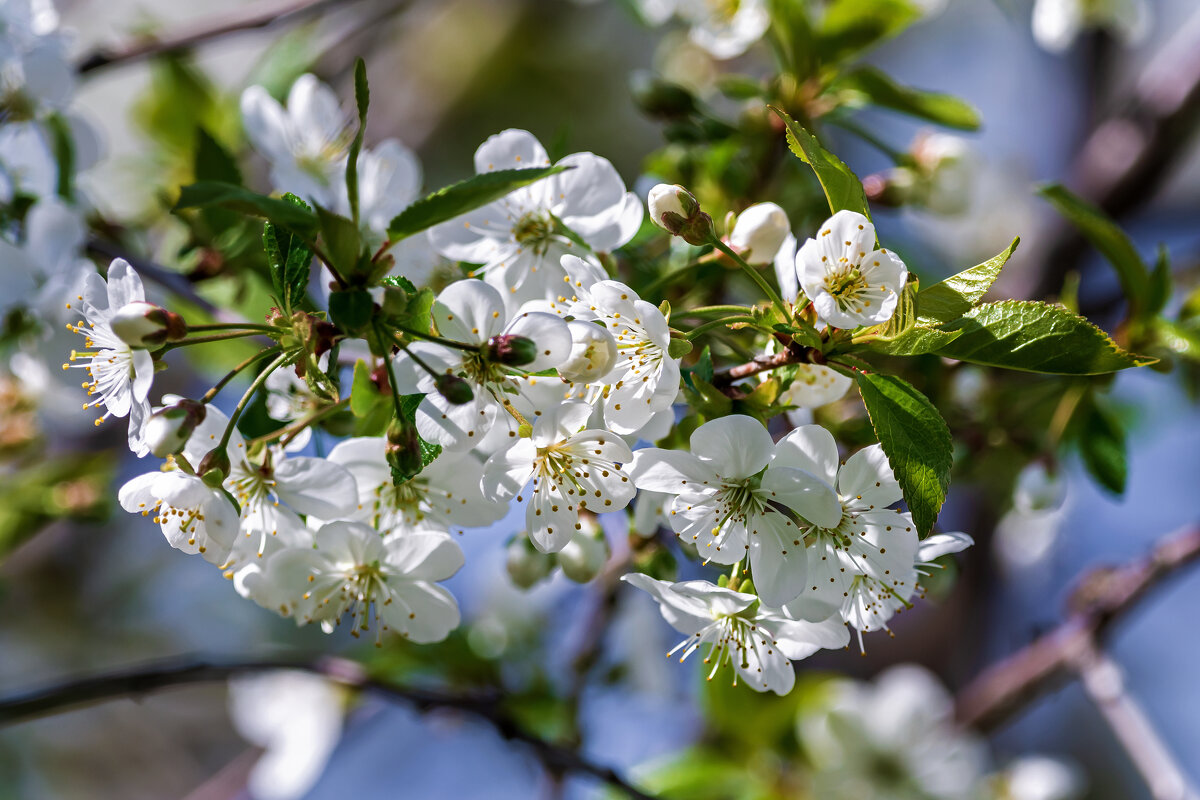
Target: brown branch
247	19
791	354
142	679
1127	158
1101	597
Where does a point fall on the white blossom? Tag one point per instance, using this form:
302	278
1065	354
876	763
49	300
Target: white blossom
848	280
572	471
815	385
645	378
35	267
725	495
1038	777
472	312
760	643
443	496
517	240
27	163
193	516
121	376
351	570
593	352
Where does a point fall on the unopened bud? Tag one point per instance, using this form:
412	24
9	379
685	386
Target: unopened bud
526	565
676	210
214	467
759	233
585	555
403	449
168	429
593	352
454	389
142	324
512	350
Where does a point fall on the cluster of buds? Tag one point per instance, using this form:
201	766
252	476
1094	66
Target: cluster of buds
581	559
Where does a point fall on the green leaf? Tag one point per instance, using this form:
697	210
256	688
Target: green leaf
1036	337
213	162
290	259
362	98
1160	282
418	315
947	301
678	348
459	198
207	194
880	90
351	310
915	341
842	187
63	146
363	391
342	240
1109	239
400	281
849	27
1102	446
915	439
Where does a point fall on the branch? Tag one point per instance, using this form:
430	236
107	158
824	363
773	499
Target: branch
242	20
791	354
152	677
1126	159
1101	597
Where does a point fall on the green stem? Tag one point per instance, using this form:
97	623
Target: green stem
216	337
392	383
258	381
420	361
219	385
716	323
226	326
289	432
754	275
705	310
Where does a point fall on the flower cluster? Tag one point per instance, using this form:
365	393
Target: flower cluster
537	379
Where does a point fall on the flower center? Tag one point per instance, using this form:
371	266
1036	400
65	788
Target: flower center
534	230
844	286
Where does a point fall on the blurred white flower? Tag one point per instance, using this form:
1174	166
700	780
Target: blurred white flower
815	385
894	738
1037	777
1057	23
724	29
296	718
759	233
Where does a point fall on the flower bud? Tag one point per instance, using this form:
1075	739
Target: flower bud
593	352
1038	489
214	467
514	351
142	324
526	565
759	233
403	449
586	553
949	167
454	389
675	210
168	429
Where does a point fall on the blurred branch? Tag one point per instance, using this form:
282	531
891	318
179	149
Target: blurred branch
1127	158
245	19
1101	597
1105	685
140	680
172	281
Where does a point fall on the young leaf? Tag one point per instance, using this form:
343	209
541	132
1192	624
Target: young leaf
342	240
1036	337
842	187
1109	239
880	90
850	26
1102	446
351	310
915	439
459	198
947	301
213	162
205	194
362	98
290	260
1160	282
913	342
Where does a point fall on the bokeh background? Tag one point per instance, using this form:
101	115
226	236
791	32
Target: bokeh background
445	74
